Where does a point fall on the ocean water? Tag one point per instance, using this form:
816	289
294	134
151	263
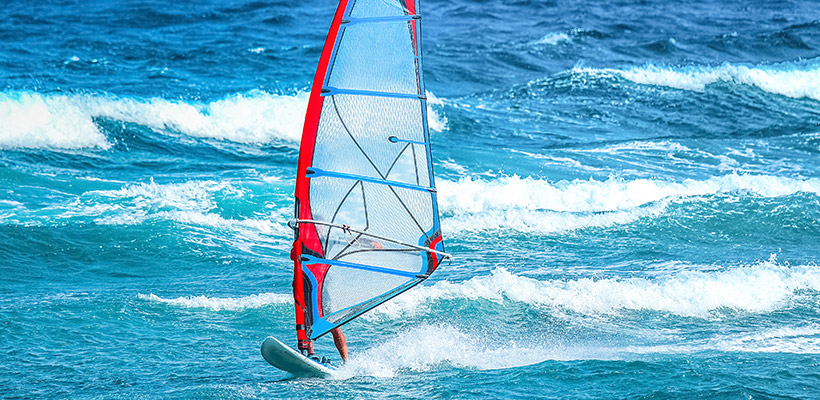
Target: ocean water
631	191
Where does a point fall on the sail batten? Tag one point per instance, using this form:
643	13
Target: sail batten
371	268
330	91
393	18
365	162
315	173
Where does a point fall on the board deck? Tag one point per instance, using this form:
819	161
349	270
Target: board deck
287	359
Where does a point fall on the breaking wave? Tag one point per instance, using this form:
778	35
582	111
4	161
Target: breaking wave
191	203
796	80
66	121
760	288
425	348
537	205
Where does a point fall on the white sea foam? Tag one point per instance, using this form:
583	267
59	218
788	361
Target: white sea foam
66	121
801	339
536	205
11	203
788	79
759	288
191	203
797	340
553	38
436	120
222	303
135	203
190	195
425	347
545	222
31	120
637	146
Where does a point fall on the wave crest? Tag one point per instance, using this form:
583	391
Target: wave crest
796	80
537	205
760	288
66	121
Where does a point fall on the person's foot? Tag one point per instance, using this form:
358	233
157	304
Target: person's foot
314	357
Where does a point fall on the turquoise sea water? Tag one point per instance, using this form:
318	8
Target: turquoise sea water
631	191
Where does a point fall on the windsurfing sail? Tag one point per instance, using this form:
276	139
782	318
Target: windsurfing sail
367	222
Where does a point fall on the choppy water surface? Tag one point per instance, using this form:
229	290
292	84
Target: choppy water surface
631	191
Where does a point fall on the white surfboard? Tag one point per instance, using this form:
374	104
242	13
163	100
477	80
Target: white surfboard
287	359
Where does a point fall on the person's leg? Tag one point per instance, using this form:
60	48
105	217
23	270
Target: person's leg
340	342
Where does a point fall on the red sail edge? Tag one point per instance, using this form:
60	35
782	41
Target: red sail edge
308	237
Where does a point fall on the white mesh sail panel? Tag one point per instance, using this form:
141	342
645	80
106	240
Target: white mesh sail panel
371	161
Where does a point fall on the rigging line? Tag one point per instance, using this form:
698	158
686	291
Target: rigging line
333	218
387	239
338	114
349	243
395	160
410	213
346	228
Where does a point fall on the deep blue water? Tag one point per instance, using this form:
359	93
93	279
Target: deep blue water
631	190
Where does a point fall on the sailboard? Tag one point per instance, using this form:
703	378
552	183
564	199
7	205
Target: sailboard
366	224
285	358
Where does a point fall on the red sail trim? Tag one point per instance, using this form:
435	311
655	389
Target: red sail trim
435	256
308	237
411	10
